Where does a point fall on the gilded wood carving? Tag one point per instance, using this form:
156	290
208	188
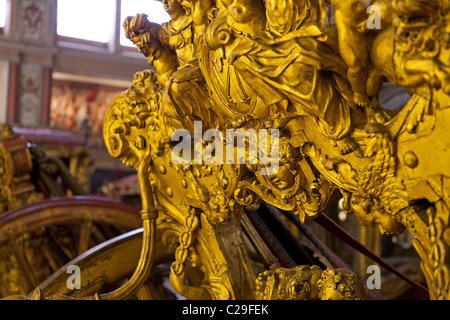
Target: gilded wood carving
280	64
281	77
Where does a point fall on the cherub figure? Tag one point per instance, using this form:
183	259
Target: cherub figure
177	37
351	19
355	39
145	35
172	49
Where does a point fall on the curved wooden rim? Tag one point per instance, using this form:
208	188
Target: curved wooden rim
128	244
68	210
57	280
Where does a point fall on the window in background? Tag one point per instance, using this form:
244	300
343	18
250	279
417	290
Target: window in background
2	13
91	20
154	9
4	84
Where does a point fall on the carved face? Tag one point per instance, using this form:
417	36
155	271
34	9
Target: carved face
284	178
125	121
368	213
303	286
288	168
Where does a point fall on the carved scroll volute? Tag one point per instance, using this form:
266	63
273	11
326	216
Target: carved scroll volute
218	33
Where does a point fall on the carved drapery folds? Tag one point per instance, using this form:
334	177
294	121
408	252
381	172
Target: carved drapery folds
249	65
